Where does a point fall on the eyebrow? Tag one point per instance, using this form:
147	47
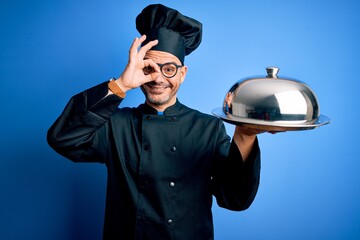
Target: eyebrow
145	58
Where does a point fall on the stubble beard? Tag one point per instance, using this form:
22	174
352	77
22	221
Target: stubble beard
158	102
154	100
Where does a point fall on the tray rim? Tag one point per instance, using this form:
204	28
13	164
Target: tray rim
271	126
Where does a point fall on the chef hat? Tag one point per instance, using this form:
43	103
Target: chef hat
177	34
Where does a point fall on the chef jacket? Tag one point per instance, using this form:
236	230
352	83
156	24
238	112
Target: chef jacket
162	169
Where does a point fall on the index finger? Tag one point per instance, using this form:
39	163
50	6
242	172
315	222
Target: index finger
136	43
147	46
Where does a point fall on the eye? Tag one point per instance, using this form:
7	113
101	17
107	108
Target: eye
148	70
169	69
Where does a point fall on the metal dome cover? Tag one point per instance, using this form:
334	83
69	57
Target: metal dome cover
272	104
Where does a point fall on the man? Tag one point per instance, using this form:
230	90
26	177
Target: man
165	161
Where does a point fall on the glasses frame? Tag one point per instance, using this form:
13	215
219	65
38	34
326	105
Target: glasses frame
172	63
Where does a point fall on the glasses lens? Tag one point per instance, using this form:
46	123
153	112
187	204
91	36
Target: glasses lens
169	70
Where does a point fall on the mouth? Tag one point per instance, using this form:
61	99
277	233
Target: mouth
156	88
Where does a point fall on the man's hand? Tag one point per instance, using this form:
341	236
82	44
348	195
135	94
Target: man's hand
133	75
245	137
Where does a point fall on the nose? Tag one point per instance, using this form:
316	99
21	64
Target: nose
159	78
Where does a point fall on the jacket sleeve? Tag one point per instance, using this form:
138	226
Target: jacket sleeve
235	182
76	133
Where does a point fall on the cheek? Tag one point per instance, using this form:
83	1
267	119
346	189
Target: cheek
176	84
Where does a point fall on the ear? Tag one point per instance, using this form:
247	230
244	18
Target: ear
183	72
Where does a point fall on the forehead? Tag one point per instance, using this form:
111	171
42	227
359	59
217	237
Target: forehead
161	57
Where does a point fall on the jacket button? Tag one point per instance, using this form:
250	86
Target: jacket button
170	221
146	147
173	149
172	184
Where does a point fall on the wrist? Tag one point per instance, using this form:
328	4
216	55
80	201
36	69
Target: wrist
119	82
115	88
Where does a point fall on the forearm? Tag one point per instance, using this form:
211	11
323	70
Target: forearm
236	182
85	113
245	139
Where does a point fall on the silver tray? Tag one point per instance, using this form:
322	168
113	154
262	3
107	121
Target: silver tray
275	126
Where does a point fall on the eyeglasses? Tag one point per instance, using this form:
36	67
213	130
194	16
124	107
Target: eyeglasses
169	69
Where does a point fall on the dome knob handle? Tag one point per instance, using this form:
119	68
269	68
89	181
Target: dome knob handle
272	72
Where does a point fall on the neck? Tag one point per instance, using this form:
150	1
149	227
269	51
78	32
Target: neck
161	107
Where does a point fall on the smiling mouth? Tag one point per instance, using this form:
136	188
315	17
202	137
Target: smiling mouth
154	88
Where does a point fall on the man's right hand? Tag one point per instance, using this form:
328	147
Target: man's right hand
133	75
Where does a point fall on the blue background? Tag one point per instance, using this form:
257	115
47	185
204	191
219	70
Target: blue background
51	50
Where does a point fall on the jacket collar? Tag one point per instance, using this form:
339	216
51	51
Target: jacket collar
170	111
